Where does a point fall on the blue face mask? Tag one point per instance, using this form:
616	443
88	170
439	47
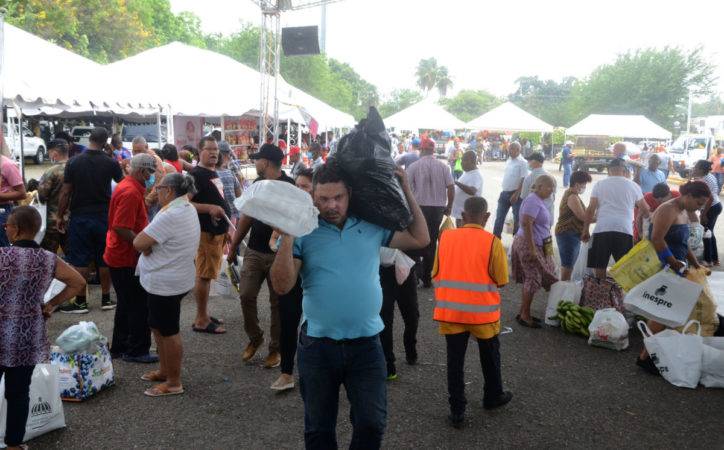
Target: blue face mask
151	181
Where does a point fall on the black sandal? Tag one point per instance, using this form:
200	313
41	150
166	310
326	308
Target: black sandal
211	328
531	324
216	321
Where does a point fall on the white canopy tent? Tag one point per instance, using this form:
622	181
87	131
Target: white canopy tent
509	117
425	115
623	126
40	77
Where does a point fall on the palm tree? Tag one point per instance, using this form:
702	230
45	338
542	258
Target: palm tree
443	81
427	71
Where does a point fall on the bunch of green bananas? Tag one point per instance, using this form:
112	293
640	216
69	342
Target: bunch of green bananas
574	318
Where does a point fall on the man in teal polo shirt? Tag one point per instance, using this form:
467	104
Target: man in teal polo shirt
339	342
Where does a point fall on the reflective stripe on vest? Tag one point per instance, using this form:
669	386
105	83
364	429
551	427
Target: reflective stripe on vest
466	307
465	286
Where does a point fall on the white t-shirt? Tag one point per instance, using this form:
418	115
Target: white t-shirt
170	268
617	197
472	178
515	170
528	183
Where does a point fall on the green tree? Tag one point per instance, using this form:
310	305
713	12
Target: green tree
652	82
547	99
426	73
713	106
398	100
469	104
443	82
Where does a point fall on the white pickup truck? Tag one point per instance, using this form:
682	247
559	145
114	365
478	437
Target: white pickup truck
687	149
33	146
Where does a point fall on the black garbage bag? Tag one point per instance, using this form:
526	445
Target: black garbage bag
364	157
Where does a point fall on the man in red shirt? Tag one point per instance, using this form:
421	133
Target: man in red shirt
127	217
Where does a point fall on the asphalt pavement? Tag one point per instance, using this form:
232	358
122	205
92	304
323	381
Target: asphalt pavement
565	392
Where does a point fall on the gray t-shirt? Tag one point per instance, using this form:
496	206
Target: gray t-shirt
528	183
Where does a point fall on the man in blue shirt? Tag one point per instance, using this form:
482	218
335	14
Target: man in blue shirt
567	163
651	176
412	154
339	342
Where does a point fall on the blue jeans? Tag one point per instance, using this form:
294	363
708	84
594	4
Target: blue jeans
359	365
567	169
503	206
569	245
5	211
720	180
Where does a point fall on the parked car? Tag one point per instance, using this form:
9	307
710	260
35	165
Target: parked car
688	149
148	131
33	146
81	134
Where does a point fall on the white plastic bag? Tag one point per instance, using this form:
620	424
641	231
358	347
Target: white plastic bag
608	329
280	205
696	239
42	209
56	286
46	409
561	291
677	356
509	223
712	362
393	257
222	285
666	298
580	268
81	375
80	337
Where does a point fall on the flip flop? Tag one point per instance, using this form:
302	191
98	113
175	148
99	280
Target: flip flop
531	324
153	376
211	328
215	320
161	390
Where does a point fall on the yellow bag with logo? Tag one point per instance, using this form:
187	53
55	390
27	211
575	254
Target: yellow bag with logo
637	266
447	224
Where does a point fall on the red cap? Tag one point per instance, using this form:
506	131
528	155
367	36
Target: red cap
294	150
427	144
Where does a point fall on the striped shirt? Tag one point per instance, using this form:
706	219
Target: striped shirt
429	179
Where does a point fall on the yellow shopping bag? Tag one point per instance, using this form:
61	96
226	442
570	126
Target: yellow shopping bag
637	266
447	224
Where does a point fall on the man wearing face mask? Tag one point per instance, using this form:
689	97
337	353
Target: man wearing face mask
49	193
126	218
86	192
258	259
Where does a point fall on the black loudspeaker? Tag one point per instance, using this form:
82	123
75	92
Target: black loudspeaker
300	41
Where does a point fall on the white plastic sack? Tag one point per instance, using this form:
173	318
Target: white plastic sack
42	209
677	356
716	286
403	263
81	375
580	268
712	362
280	205
509	223
46	408
79	337
561	291
608	329
56	286
696	239
222	285
666	298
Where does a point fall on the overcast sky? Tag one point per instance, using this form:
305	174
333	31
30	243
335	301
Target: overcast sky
488	44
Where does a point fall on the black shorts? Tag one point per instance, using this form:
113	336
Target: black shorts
164	313
607	244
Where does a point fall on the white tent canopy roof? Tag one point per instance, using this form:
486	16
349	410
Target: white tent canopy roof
426	115
623	126
508	117
36	74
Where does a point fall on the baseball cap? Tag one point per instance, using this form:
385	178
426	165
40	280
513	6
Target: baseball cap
143	161
294	150
224	147
415	142
270	152
427	144
536	156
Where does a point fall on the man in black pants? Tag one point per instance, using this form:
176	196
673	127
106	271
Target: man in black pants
406	297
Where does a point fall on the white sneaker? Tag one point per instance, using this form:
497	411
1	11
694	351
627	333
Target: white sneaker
283	383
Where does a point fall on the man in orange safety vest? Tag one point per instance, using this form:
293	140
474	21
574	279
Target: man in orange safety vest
469	267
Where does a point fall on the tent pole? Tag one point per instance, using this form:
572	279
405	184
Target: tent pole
158	127
19	113
289	132
223	128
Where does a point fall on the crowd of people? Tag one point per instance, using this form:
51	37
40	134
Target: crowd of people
156	226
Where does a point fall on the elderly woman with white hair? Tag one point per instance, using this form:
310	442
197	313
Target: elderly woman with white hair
532	252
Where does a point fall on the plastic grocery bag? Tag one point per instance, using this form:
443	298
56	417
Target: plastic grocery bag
716	285
447	224
608	329
638	265
79	337
712	362
580	268
280	205
704	310
46	409
42	209
509	224
364	158
81	375
222	285
561	291
696	239
393	257
677	356
666	298
56	286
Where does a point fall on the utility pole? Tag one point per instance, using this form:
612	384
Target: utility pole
323	30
